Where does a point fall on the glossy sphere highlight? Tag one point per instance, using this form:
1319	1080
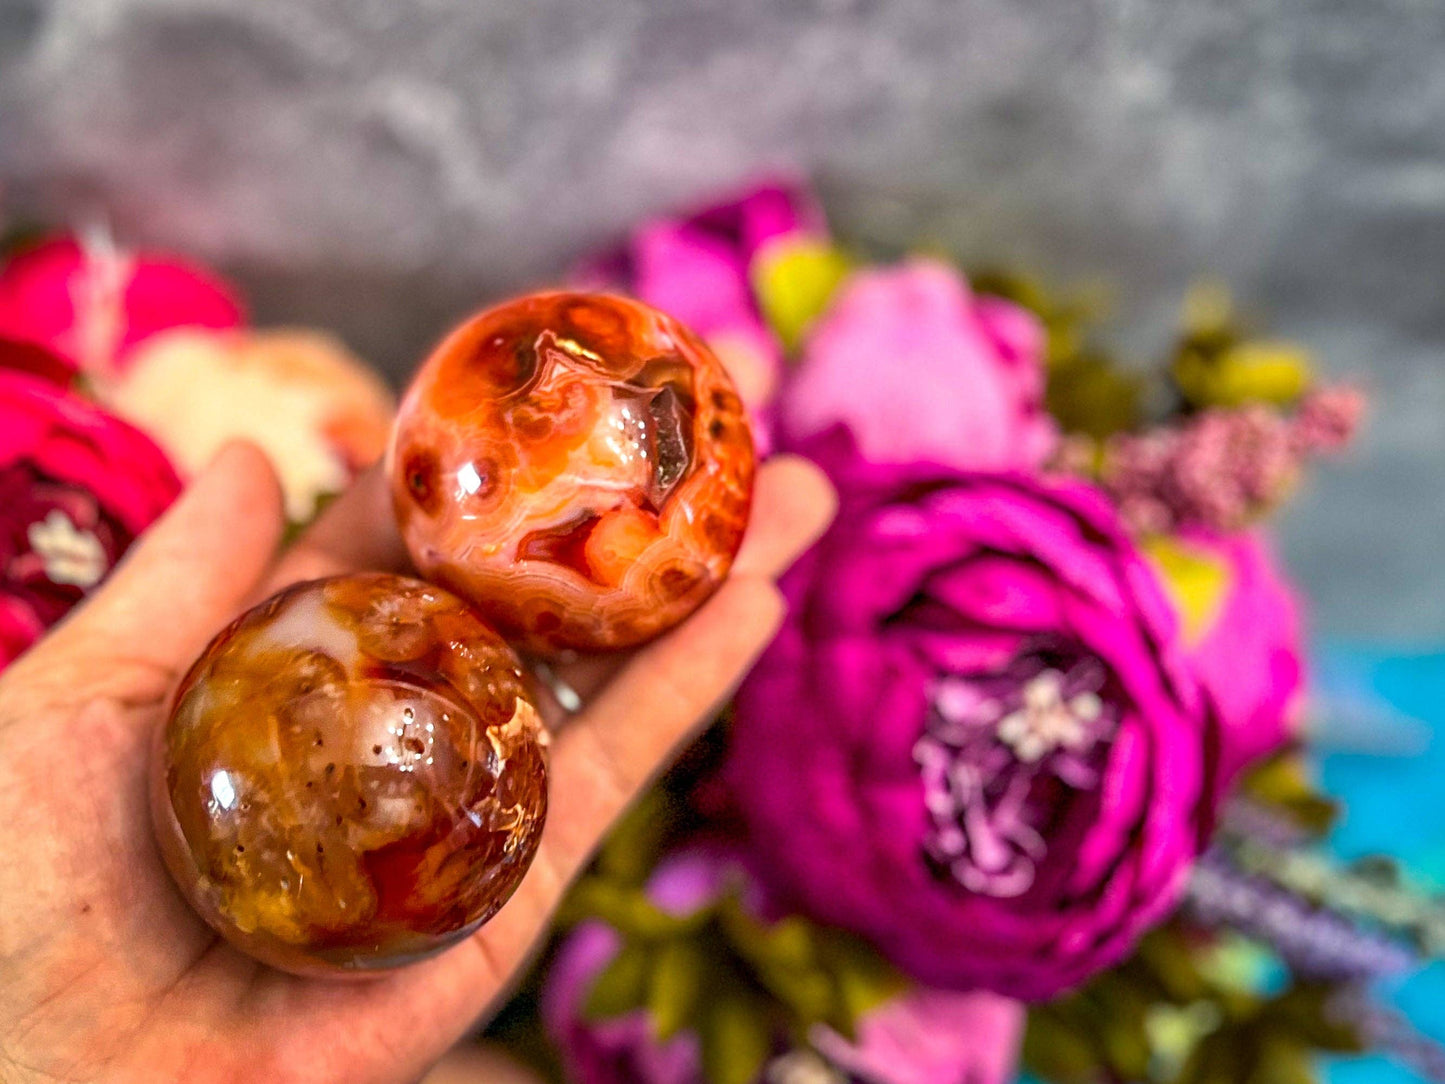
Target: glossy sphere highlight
578	466
353	776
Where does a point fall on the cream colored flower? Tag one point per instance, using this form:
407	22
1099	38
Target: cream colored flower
301	396
69	554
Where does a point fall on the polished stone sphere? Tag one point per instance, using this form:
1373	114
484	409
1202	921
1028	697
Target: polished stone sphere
578	466
353	776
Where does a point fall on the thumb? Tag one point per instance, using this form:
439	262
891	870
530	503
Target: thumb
190	573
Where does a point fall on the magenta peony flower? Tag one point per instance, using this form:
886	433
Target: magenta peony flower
1247	654
76	487
919	1037
91	305
20	627
919	368
699	269
974	741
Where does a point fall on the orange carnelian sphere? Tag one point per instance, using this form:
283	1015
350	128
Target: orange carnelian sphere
576	465
353	776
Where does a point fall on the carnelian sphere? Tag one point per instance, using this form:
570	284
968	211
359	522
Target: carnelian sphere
578	466
353	776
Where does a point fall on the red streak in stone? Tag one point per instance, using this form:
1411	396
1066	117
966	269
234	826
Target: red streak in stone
565	545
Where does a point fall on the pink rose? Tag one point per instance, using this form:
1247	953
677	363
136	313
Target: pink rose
1247	655
76	487
91	306
975	741
927	1036
920	368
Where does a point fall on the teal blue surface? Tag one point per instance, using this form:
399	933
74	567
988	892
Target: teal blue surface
1390	777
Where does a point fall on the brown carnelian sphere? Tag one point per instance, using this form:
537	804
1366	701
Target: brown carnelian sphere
576	465
353	777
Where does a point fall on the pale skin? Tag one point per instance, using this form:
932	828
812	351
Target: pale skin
107	975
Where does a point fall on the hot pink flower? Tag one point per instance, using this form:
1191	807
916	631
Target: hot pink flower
1248	656
76	487
920	368
974	741
91	306
927	1036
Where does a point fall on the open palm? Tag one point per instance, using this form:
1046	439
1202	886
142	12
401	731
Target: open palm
106	974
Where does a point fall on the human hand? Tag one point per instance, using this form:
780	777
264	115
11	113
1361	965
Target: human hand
107	975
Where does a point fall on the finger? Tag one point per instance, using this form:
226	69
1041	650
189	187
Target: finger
476	1063
793	503
358	531
654	703
189	574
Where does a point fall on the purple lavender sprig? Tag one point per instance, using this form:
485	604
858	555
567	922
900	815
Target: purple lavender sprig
1363	895
1389	1032
1316	942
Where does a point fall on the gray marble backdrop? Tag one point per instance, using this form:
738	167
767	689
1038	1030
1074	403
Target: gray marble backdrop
380	165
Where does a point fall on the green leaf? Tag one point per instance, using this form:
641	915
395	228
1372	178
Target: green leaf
632	846
623	984
1060	1051
629	910
1304	1012
1224	1057
736	1035
1282	1061
1172	963
679	973
794	279
783	959
862	979
1175	1030
1286	783
1116	1010
1093	397
785	943
1215	365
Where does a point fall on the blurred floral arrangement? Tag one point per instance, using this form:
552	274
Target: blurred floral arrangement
1020	781
122	373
